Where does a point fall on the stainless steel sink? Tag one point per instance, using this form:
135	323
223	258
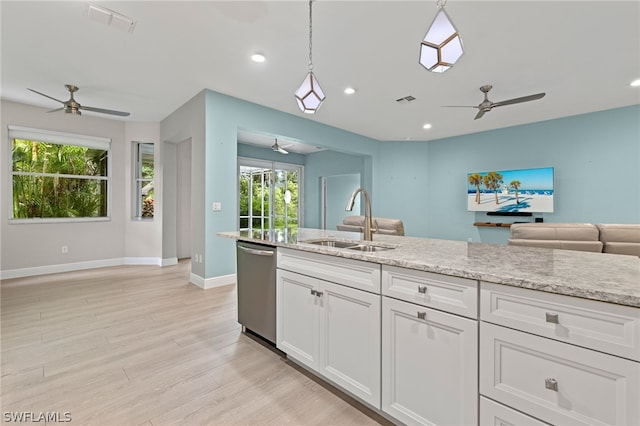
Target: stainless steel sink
350	245
369	248
333	243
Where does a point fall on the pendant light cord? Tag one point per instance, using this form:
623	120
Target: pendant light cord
310	35
441	3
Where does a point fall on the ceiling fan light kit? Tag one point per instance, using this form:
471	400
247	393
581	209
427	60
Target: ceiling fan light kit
310	95
442	45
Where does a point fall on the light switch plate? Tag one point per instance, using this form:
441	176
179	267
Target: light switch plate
217	206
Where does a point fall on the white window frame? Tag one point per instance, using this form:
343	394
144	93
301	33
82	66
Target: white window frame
137	178
60	138
273	165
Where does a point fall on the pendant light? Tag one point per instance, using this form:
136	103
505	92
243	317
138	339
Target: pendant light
310	95
442	45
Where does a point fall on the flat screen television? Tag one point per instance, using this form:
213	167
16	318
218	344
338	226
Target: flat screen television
511	191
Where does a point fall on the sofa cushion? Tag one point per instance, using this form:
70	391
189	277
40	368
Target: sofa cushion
592	246
620	238
555	231
385	225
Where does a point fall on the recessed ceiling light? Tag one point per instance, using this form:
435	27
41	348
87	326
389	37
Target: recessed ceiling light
635	83
257	57
349	91
426	126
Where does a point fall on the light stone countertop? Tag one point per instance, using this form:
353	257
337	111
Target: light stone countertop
597	276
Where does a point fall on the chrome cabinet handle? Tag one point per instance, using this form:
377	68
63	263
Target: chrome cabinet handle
551	384
422	289
552	317
422	315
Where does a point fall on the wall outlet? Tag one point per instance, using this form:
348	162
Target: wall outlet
217	206
64	249
199	258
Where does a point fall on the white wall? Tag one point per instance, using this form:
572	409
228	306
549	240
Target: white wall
31	249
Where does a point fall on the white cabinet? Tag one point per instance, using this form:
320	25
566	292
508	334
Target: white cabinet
494	414
332	329
547	356
429	357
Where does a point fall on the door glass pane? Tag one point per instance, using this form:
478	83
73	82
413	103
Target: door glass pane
269	196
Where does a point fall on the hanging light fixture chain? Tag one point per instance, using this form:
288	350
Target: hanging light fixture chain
310	36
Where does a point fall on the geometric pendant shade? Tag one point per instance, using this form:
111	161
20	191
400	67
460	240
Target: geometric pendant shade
442	45
309	95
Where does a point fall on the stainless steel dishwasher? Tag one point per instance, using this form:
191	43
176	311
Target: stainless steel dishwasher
256	275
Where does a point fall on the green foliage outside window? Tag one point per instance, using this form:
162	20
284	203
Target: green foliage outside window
58	181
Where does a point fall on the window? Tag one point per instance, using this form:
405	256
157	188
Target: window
269	195
59	175
144	186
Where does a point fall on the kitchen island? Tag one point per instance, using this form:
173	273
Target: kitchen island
446	332
598	276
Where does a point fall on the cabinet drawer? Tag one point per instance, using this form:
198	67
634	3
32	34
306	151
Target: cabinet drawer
451	294
353	273
557	382
605	327
494	414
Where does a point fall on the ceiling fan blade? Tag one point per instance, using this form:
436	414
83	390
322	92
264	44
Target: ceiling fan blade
282	150
480	113
518	100
57	109
46	96
459	106
105	111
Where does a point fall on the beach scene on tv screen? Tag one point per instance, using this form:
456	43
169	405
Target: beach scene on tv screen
510	191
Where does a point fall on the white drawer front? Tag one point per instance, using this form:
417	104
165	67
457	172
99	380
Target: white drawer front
494	414
593	388
605	327
353	273
452	294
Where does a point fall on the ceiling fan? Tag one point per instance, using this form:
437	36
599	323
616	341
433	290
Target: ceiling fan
278	148
486	105
73	107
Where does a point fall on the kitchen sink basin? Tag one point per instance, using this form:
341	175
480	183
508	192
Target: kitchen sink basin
333	243
350	245
369	248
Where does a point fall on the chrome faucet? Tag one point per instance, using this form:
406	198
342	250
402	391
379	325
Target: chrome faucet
368	224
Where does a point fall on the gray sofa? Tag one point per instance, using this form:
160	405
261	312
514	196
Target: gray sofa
385	225
600	238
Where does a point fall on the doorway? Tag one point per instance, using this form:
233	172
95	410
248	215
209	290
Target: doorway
270	195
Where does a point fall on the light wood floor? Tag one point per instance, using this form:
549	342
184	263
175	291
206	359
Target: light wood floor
139	345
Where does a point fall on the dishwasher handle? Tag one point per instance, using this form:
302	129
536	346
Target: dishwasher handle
257	252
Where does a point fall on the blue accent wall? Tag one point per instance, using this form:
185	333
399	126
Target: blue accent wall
596	158
326	163
224	116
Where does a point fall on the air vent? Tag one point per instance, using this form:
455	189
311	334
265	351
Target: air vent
406	99
110	18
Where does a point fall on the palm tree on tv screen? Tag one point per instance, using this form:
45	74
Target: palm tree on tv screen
493	181
515	184
475	180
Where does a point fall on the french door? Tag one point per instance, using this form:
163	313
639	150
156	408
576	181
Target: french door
270	195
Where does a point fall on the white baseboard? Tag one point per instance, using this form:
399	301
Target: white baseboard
207	283
63	267
77	266
143	261
169	261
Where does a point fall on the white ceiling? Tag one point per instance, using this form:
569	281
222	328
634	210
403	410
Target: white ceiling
583	54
